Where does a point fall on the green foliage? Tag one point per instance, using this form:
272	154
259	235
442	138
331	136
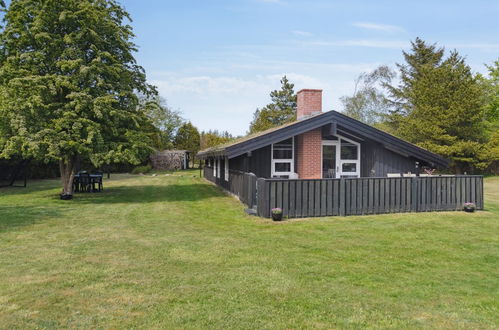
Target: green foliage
213	138
164	121
492	98
438	105
68	81
282	109
142	169
368	102
188	138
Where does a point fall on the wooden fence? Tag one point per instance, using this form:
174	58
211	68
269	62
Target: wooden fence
352	196
241	184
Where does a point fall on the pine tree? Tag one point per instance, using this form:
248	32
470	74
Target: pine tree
282	109
439	104
68	80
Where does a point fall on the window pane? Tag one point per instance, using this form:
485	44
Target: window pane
283	153
348	151
288	142
282	167
328	161
349	167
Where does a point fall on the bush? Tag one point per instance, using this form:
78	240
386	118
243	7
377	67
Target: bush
142	169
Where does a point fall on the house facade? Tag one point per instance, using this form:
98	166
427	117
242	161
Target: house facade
320	145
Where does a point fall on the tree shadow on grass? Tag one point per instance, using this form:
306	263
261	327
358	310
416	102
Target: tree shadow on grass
149	194
12	217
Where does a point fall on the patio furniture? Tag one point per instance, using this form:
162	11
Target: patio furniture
84	182
96	181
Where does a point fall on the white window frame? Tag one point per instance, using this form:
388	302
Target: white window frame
215	167
291	161
226	173
339	161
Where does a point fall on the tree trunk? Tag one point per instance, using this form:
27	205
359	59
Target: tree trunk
67	168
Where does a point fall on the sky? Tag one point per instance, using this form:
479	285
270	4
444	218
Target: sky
217	60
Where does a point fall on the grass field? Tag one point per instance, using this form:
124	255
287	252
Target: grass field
175	252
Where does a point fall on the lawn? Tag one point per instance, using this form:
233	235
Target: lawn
175	252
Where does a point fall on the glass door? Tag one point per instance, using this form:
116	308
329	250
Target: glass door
329	154
340	158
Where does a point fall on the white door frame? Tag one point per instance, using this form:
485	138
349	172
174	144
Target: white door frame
339	162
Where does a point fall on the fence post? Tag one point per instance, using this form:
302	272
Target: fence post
414	194
262	198
342	196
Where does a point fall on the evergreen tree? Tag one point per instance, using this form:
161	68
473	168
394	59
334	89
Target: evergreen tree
438	104
489	155
68	80
188	138
214	138
282	109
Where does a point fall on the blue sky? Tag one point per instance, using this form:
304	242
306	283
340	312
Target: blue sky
217	60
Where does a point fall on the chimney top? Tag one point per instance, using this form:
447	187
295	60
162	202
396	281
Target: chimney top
309	103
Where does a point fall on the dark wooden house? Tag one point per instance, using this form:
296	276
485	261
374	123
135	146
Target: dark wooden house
320	145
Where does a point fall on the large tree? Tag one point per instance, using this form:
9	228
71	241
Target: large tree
165	121
439	104
69	84
281	110
368	103
188	138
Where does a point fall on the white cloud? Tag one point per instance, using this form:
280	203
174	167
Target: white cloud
370	43
302	33
378	27
228	102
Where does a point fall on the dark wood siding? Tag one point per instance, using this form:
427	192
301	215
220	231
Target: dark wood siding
258	163
356	196
377	161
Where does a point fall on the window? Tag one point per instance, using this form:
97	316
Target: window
349	167
226	173
215	168
349	158
283	158
348	150
219	167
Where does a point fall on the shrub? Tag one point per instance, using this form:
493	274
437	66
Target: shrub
142	169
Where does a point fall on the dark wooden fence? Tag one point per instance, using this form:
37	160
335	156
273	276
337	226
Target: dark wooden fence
351	196
241	184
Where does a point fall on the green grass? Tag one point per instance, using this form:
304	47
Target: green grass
175	252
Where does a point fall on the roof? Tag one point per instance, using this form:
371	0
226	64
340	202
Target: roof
277	134
172	151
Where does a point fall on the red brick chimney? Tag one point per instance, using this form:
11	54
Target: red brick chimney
309	144
309	102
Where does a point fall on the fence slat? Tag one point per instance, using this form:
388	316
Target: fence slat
329	197
311	193
317	198
323	184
